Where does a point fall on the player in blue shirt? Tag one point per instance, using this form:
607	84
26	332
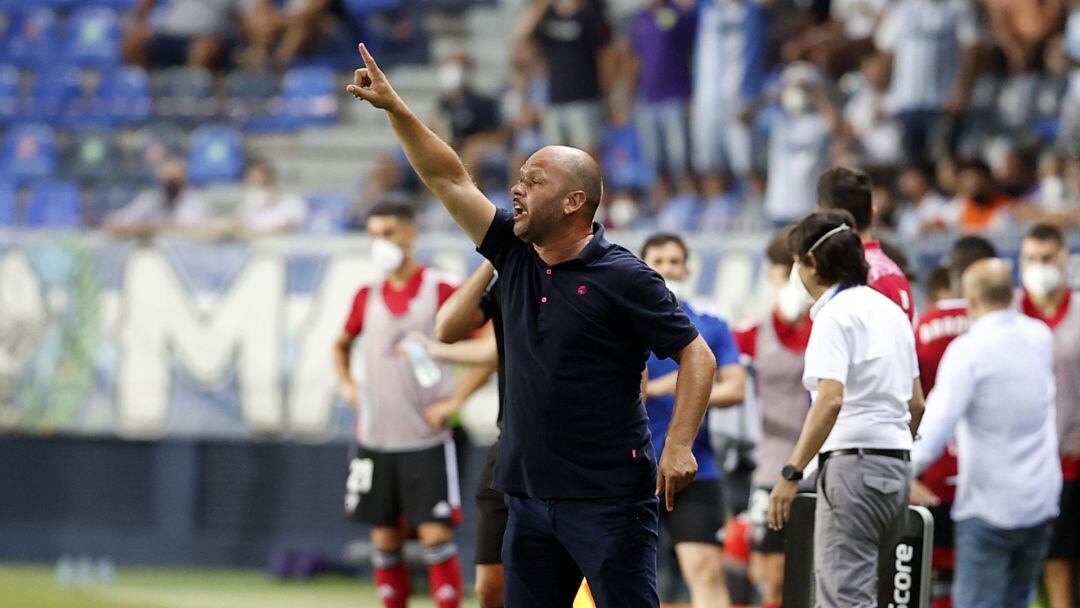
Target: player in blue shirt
696	525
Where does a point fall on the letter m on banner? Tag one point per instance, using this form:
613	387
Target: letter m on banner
162	322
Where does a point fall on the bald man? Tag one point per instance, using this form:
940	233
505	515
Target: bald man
995	389
580	316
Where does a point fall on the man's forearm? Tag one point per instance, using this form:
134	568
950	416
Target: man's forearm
697	368
435	162
730	389
481	351
819	423
461	313
474	379
341	361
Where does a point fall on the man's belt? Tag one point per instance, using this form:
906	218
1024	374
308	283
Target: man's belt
904	455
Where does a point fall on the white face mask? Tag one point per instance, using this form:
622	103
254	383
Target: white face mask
258	197
791	303
451	77
1042	279
797	285
794	100
622	211
386	256
680	289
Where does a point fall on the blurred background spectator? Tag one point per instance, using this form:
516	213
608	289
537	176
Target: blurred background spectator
573	37
708	115
172	205
265	209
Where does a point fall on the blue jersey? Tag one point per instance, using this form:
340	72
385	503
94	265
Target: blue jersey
659	409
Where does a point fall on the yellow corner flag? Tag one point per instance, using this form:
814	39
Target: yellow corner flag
584	597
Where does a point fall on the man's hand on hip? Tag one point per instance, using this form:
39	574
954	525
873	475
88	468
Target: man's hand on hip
372	86
676	470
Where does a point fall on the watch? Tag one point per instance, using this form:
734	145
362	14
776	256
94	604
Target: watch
790	473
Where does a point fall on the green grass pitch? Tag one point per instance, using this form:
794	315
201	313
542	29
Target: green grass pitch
35	586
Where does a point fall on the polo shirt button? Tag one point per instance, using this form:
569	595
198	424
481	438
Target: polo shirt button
543	300
549	271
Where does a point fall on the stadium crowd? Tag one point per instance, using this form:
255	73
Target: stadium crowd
712	115
706	115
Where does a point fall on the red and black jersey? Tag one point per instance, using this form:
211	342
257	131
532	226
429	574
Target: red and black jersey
934	330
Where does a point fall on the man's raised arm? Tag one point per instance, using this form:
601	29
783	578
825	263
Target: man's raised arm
438	166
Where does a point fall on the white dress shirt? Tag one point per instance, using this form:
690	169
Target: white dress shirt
995	388
863	340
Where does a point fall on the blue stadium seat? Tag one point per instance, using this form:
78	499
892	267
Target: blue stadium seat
93	38
121	99
122	6
153	144
360	8
185	95
250	97
9	94
108	197
216	155
91	157
329	213
309	97
55	98
53	4
32	42
9	203
54	205
29	153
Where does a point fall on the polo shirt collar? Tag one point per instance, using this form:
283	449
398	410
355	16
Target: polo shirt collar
595	248
823	300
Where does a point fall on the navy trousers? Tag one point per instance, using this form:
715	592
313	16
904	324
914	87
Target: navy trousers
551	544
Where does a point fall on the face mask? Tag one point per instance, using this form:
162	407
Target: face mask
386	256
1041	279
257	197
172	189
794	100
796	283
679	288
622	211
451	77
791	304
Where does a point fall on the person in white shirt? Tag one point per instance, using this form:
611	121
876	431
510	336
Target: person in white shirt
799	142
172	206
863	377
932	47
995	388
265	209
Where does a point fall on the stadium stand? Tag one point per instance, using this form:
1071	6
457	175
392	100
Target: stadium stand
54	205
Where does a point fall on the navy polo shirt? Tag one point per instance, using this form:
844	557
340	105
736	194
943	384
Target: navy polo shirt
577	336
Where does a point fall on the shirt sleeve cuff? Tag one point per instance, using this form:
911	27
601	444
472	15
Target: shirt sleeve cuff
676	345
494	244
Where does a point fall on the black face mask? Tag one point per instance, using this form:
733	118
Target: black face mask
172	189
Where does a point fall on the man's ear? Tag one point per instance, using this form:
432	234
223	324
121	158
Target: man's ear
574	202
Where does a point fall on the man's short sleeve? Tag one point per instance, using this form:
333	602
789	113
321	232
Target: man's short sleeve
828	354
500	239
355	323
746	340
655	314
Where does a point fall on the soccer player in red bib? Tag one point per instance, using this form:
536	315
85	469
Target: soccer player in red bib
775	347
1046	295
402	467
936	487
850	190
